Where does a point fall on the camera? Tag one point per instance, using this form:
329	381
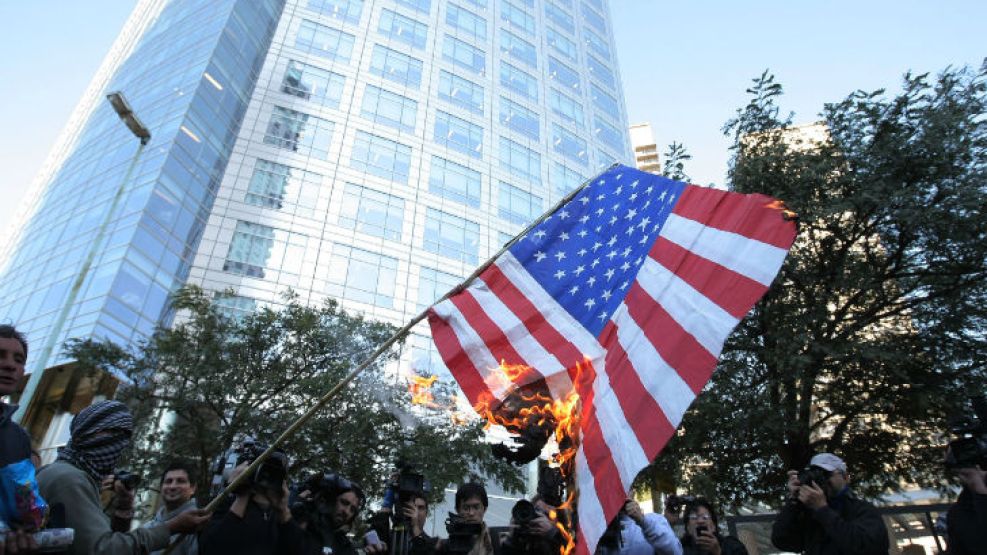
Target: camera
611	537
675	504
269	476
127	478
462	534
814	475
408	486
970	447
317	506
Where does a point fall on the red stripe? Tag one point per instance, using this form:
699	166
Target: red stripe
534	321
676	346
731	291
649	422
469	377
748	215
582	548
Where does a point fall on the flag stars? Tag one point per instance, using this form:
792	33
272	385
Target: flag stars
644	223
574	289
612	241
635	183
609	273
602	316
600	211
560	256
559	274
606	295
539	234
563	214
601	196
619	190
611	255
627	251
579	270
584	200
625	266
662	195
633	196
582	252
563	236
649	189
624	285
597	245
631	214
630	231
613	220
584	219
582	233
616	207
671	198
591	281
539	256
590	303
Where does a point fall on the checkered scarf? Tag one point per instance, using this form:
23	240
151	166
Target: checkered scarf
93	451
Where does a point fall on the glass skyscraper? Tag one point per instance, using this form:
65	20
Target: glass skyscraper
375	151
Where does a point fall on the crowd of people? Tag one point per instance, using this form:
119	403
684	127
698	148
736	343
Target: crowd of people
821	516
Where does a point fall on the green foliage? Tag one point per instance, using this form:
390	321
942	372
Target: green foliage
675	158
220	378
874	332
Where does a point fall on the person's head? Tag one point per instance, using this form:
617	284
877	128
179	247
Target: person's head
700	514
99	434
837	476
471	502
13	356
421	509
177	484
339	500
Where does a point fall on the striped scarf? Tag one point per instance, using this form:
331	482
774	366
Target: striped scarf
100	433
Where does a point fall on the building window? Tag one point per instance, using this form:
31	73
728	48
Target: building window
234	307
517	17
562	45
403	29
396	66
458	134
569	145
372	212
451	236
464	55
593	18
432	284
519	48
518	206
605	159
563	179
466	22
563	75
518	81
520	161
307	135
559	17
598	4
479	4
454	182
381	157
599	71
423	6
343	10
605	102
519	118
461	92
608	134
362	276
596	43
274	184
324	42
314	84
566	108
250	249
389	108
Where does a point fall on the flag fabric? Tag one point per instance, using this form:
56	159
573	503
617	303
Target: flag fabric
626	294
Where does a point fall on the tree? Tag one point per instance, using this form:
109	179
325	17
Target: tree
220	378
675	159
874	331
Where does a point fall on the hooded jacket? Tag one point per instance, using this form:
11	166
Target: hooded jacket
15	444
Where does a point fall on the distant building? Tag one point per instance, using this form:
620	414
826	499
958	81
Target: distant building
645	149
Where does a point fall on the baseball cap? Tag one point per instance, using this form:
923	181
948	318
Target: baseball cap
829	462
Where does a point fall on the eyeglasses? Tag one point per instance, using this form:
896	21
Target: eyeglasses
700	517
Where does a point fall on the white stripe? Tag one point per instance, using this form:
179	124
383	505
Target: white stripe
665	385
625	449
474	347
591	519
695	312
551	310
535	356
750	257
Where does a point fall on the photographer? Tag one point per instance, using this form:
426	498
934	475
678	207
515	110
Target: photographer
966	520
326	509
258	520
468	533
822	516
177	487
634	533
404	512
702	532
100	433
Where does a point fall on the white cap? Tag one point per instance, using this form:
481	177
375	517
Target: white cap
829	462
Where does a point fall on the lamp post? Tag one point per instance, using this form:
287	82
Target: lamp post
126	114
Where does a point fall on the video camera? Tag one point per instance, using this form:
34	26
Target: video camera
676	503
127	478
318	504
407	486
970	447
462	534
270	476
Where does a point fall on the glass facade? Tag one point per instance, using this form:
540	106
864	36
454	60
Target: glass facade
374	152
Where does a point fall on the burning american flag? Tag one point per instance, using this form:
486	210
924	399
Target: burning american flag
623	296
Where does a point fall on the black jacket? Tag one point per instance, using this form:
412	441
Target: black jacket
853	527
729	545
15	445
257	533
967	524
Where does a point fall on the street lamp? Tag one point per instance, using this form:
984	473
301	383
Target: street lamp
122	108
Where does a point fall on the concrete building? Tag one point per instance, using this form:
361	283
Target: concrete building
375	151
645	149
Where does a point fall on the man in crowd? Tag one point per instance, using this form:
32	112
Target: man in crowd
966	521
332	503
825	518
99	434
635	533
177	486
15	444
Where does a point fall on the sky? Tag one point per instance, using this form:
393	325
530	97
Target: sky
684	65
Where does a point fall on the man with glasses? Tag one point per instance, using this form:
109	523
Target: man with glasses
822	516
636	533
